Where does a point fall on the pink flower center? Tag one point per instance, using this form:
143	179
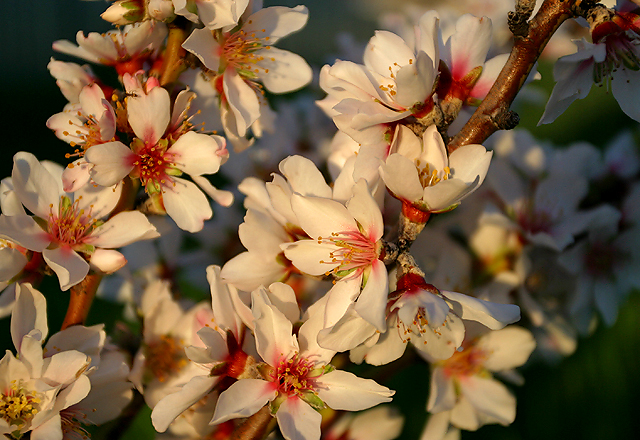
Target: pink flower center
354	252
602	258
152	166
293	375
71	224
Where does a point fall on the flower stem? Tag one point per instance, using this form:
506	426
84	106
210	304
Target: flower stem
493	113
80	298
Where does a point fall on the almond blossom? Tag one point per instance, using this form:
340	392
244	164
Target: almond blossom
67	225
159	153
347	245
613	59
463	390
298	379
126	49
214	14
394	83
243	61
37	387
420	173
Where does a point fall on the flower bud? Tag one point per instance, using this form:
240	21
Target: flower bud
161	10
124	12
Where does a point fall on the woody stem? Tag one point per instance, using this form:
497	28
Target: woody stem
529	41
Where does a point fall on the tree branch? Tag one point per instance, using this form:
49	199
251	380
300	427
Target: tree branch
493	113
256	427
80	298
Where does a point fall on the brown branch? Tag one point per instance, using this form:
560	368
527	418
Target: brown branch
80	298
256	427
173	64
493	113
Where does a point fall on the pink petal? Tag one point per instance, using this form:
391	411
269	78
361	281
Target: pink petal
106	260
149	114
24	231
197	153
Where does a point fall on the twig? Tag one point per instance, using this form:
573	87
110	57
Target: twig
493	112
256	427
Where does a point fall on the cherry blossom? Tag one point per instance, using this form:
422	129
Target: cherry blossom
395	82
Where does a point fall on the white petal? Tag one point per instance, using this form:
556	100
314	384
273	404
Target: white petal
507	348
76	175
197	153
12	261
442	395
242	399
149	114
386	53
277	22
122	229
171	406
29	313
186	205
304	177
273	331
242	99
282	71
469	162
372	302
24	231
342	390
366	212
35	186
70	267
490	398
493	315
298	421
320	217
401	177
205	47
111	162
106	260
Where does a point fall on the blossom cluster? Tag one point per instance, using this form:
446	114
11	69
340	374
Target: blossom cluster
384	241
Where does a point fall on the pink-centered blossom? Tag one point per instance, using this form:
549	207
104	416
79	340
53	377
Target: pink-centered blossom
346	245
244	61
160	152
64	226
298	379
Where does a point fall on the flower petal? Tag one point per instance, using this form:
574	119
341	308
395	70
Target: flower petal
70	267
298	421
342	390
242	399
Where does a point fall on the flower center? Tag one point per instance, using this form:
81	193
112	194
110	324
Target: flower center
18	405
622	52
242	52
152	166
468	362
165	357
72	224
430	176
602	258
355	251
293	375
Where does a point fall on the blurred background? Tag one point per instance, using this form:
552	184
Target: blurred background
592	394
